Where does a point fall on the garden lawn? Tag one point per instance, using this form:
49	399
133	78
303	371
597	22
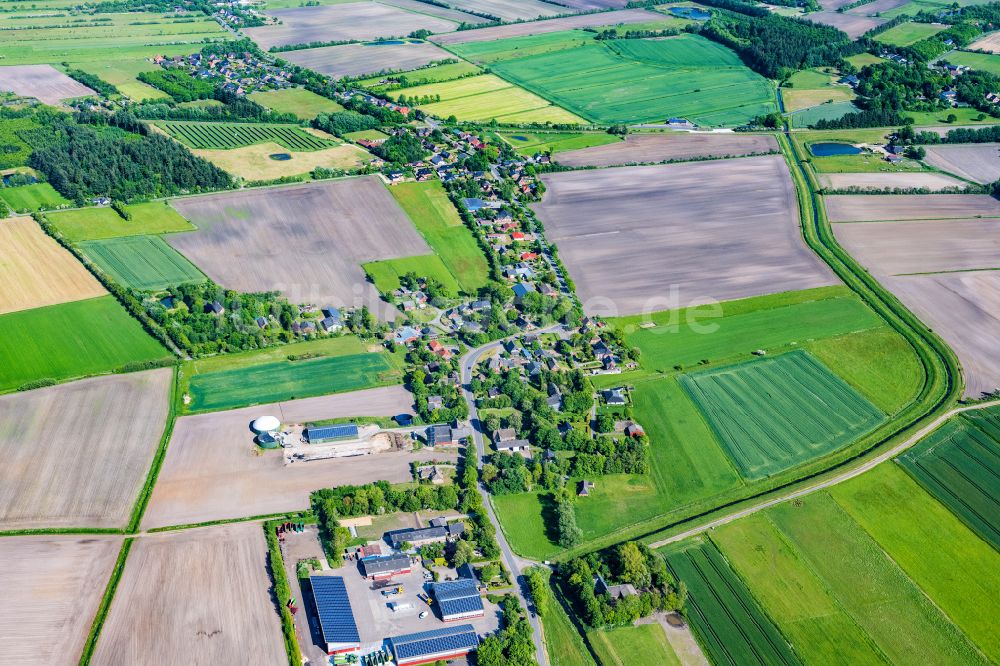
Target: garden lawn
142	262
869	586
71	340
303	103
959	571
730	625
432	212
774	413
331	365
626	646
37	196
624	81
959	464
155	217
792	595
385	274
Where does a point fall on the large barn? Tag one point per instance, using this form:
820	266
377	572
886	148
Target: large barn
438	644
458	599
336	618
385	566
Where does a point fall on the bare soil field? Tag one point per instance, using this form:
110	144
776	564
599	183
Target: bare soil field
255	162
990	42
44	82
833	5
875	8
979	161
927	246
213	470
625	16
644	239
510	10
964	309
879	181
873	207
76	455
637	148
588	5
852	24
194	597
52	586
434	10
342	22
360	59
35	271
307	241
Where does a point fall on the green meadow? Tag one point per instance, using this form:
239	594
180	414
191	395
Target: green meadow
386	273
303	103
29	198
142	262
82	224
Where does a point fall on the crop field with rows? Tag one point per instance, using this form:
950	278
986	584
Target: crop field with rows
223	136
730	624
960	464
774	413
142	262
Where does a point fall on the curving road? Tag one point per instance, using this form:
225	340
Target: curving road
513	563
820	485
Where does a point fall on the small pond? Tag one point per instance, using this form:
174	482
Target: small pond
829	149
387	42
519	137
691	13
280	157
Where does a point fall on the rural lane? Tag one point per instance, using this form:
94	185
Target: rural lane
512	562
820	485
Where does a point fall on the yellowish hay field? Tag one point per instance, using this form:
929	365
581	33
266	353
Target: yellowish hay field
35	271
254	163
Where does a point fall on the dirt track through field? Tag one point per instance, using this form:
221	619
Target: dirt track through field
76	455
643	239
214	471
43	82
624	16
194	597
306	241
52	586
342	22
979	162
35	271
639	148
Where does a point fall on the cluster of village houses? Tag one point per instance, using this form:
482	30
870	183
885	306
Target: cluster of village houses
241	73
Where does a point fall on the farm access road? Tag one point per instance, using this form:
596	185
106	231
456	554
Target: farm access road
827	483
513	563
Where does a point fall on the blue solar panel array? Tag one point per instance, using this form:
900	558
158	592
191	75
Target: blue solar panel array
457	597
334	608
436	641
343	431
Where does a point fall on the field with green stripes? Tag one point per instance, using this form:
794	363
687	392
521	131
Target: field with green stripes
730	625
71	340
225	136
142	262
960	465
773	413
633	80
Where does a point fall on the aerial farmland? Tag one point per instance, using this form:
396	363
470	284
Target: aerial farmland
307	241
361	59
646	148
754	249
42	82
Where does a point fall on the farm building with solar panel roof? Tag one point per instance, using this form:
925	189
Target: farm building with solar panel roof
458	599
429	646
336	618
334	433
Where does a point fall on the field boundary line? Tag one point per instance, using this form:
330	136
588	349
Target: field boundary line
105	605
142	501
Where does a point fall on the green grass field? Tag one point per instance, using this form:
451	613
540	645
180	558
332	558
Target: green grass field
436	219
774	413
792	595
563	643
959	571
303	103
385	274
869	586
38	196
142	262
122	74
626	646
154	217
238	380
416	77
638	80
524	523
959	464
908	33
371	135
983	62
729	623
528	142
226	136
813	114
71	340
